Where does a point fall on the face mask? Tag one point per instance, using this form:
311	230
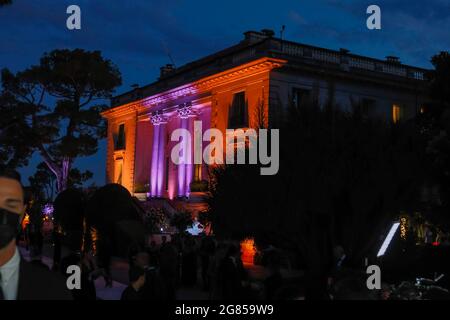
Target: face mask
9	226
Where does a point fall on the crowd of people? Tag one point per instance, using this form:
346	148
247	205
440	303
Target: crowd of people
188	262
156	272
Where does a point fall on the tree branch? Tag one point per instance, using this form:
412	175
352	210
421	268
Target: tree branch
49	161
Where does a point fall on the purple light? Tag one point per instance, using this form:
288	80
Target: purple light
48	210
161	151
182	165
154	169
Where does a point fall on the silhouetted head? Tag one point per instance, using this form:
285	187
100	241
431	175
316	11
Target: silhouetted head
137	276
12	206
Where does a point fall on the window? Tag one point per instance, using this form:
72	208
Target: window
396	113
120	143
198	172
238	113
300	97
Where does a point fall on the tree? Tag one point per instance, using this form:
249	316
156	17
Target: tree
43	182
435	125
440	79
342	179
117	219
5	2
77	178
69	214
15	149
74	81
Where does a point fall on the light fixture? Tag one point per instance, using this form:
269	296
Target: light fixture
388	239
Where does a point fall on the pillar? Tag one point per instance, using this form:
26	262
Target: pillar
158	151
190	161
182	162
161	159
185	168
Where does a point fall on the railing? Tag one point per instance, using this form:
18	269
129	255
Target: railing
341	59
351	61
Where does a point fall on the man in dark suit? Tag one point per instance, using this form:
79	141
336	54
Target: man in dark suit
21	280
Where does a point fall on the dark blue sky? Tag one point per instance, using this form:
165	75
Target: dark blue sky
136	34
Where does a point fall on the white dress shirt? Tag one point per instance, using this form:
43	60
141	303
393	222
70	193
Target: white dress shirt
10	277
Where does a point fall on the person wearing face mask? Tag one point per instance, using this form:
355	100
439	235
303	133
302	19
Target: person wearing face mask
19	279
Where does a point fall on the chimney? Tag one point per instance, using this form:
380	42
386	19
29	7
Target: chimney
268	33
166	70
255	36
392	59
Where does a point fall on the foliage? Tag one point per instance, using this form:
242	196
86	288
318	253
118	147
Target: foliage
141	188
439	79
74	84
43	182
5	2
181	220
155	219
69	213
15	149
117	219
341	179
435	127
199	186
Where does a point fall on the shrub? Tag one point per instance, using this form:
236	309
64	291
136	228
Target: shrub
199	186
141	188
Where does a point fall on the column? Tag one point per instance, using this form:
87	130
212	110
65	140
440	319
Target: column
154	165
157	165
161	159
185	169
190	162
182	160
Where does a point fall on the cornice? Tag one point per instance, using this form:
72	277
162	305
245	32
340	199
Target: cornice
245	70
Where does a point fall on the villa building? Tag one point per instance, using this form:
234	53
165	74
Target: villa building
228	89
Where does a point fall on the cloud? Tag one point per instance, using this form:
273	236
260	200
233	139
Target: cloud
413	30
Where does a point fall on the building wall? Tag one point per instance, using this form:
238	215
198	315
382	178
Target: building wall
144	140
345	91
213	107
256	89
266	91
127	154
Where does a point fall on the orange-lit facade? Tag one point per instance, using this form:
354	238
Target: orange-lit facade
143	158
261	74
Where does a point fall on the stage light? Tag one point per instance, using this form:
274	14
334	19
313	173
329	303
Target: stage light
388	239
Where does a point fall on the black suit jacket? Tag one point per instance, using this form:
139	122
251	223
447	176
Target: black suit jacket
37	283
